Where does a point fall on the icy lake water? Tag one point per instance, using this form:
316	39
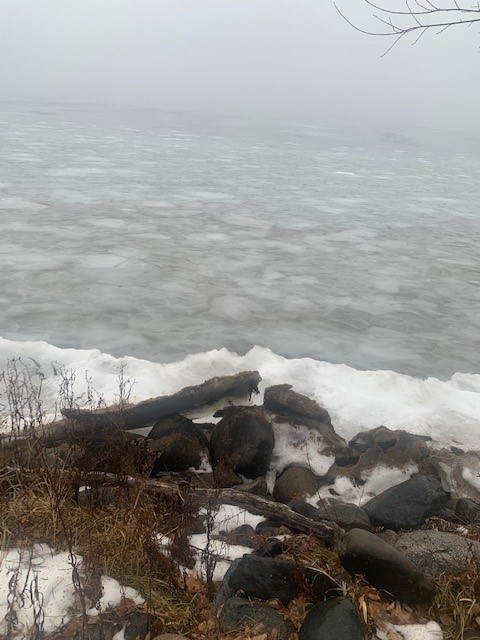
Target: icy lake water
160	234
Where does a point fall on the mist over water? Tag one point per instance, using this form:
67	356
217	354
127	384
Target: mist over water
161	234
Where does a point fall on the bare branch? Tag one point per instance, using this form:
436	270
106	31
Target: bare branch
416	18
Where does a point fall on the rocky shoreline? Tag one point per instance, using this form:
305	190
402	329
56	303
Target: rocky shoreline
399	543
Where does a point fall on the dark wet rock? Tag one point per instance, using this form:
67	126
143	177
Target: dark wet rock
266	578
295	482
297	409
281	399
332	620
268	526
436	552
245	536
240	613
225	477
243	441
389	536
304	509
408	504
257	487
271	548
467	511
458	473
385	567
401	446
136	625
345	514
177	445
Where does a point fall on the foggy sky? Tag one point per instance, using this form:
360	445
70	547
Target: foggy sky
294	58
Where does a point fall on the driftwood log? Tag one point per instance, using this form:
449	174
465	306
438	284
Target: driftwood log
79	422
200	496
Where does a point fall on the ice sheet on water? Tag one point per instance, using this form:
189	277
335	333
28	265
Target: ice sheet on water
18	204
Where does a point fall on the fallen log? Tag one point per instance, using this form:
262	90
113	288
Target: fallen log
79	422
327	531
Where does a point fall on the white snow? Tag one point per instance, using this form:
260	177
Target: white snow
428	631
37	583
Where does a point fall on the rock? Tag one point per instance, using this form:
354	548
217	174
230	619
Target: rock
366	465
295	482
268	526
243	441
401	446
385	567
332	620
245	536
257	487
304	509
408	504
266	578
458	473
240	613
282	400
467	511
436	552
295	408
347	515
271	548
177	445
137	625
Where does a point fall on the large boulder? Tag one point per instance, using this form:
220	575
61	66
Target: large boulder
385	567
347	515
401	446
239	613
436	552
408	504
295	482
332	620
177	445
242	443
266	578
297	409
459	473
467	511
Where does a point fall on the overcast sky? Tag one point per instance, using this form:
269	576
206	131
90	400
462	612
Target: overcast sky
294	58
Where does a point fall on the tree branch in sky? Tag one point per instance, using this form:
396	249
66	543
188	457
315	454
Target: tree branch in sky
404	17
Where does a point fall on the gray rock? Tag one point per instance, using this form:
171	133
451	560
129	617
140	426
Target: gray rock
401	446
455	471
408	504
257	487
282	400
436	552
297	409
304	509
332	620
385	567
295	482
266	578
239	613
345	514
467	511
